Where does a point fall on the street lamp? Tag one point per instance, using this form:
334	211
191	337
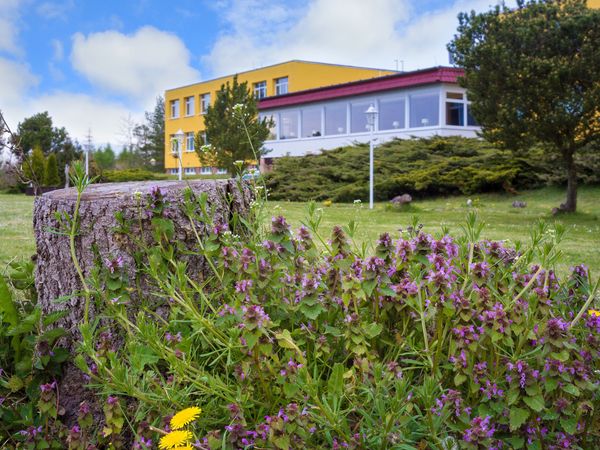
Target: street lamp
179	139
371	114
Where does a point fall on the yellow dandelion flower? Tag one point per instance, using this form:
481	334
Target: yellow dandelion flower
185	447
185	416
174	439
593	312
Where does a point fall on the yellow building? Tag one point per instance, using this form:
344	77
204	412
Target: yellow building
594	3
186	105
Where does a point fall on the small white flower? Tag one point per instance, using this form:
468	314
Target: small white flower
206	148
357	201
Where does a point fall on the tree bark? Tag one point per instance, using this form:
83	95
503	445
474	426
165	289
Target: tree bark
56	275
570	204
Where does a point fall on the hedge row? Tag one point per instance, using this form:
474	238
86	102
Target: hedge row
421	167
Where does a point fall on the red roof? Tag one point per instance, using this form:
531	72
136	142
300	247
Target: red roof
388	82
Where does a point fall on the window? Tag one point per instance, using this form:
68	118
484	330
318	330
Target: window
204	103
260	89
471	121
221	171
424	110
281	86
311	122
288	129
273	130
205	170
392	114
189	106
173	171
174	144
189	142
190	171
174	109
358	118
205	139
455	113
335	119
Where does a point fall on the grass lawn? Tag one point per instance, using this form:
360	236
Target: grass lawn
582	244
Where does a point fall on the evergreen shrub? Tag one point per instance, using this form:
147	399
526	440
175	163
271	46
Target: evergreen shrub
420	167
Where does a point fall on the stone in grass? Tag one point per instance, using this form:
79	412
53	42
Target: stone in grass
401	200
519	204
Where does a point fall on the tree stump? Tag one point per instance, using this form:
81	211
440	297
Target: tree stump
56	275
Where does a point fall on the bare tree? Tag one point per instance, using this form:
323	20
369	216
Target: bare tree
11	142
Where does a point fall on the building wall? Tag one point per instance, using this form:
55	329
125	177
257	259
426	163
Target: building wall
402	114
301	75
593	3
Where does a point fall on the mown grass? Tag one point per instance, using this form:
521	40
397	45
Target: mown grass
502	221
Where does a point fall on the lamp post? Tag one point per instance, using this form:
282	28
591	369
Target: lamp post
179	138
371	114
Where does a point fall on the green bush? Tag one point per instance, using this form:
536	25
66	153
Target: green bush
420	167
119	176
51	177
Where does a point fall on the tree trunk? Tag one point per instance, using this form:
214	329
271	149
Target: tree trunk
56	275
571	203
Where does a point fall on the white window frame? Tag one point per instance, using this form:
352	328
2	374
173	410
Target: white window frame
189	148
221	171
189	106
174	144
260	90
204	102
281	86
205	170
189	170
174	104
173	171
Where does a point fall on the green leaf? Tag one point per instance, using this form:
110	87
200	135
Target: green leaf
518	416
7	306
335	384
571	389
459	379
373	330
569	424
536	402
515	442
141	356
551	384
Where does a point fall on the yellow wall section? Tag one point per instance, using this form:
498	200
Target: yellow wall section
594	3
301	75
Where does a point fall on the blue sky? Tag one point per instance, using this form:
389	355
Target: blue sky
92	64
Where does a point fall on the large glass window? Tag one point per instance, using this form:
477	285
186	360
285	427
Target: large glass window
189	142
335	119
273	130
281	86
471	121
260	89
392	114
455	114
189	106
288	125
174	109
311	122
424	110
204	103
358	118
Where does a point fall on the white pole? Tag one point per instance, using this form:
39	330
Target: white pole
179	144
87	162
371	168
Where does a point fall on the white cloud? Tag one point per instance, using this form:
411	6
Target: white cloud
79	113
15	82
140	66
55	10
373	33
9	30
